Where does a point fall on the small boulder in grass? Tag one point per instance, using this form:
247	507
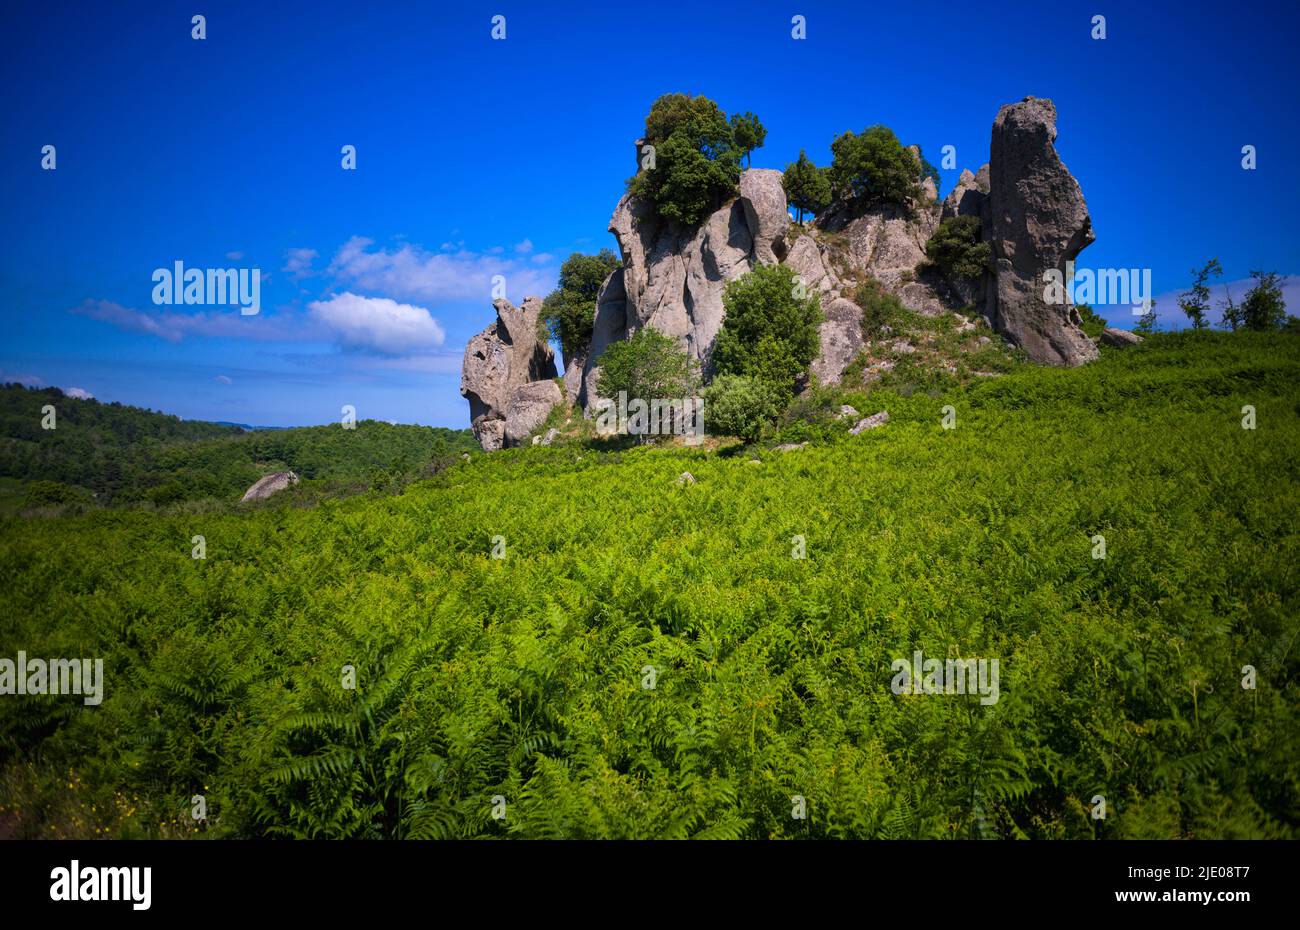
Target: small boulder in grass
847	413
271	484
871	422
1120	338
789	446
685	478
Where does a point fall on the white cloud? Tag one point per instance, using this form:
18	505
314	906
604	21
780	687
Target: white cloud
297	262
174	326
78	393
25	380
377	323
223	379
524	247
411	273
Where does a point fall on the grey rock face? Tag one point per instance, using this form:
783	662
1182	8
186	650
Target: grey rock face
841	340
271	484
528	408
1120	338
1037	220
805	259
505	356
610	326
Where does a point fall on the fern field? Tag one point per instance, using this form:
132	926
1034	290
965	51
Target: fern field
510	697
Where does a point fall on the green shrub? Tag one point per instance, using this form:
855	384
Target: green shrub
769	332
569	311
879	309
647	365
736	405
955	248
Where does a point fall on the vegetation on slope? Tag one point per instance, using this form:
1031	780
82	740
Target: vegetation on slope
110	454
524	677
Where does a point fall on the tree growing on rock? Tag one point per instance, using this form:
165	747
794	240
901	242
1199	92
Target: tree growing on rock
570	309
748	132
697	159
807	188
874	167
770	330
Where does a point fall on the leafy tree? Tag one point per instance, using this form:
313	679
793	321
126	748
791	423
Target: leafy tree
1229	311
648	365
748	133
1146	324
697	160
807	188
875	168
1263	307
770	330
570	309
737	405
1195	302
955	248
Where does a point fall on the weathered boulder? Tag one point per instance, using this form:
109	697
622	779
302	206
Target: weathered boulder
871	422
505	356
1120	338
763	198
805	260
841	340
271	484
1037	220
528	408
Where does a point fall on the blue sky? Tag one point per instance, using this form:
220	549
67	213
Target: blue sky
478	157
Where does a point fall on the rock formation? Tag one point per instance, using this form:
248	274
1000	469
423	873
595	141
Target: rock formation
1036	220
509	354
1120	338
1031	213
271	484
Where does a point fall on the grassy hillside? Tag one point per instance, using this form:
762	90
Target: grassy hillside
524	677
108	454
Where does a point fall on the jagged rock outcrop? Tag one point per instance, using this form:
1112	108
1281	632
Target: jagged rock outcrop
888	242
1037	220
271	484
967	197
673	277
509	354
